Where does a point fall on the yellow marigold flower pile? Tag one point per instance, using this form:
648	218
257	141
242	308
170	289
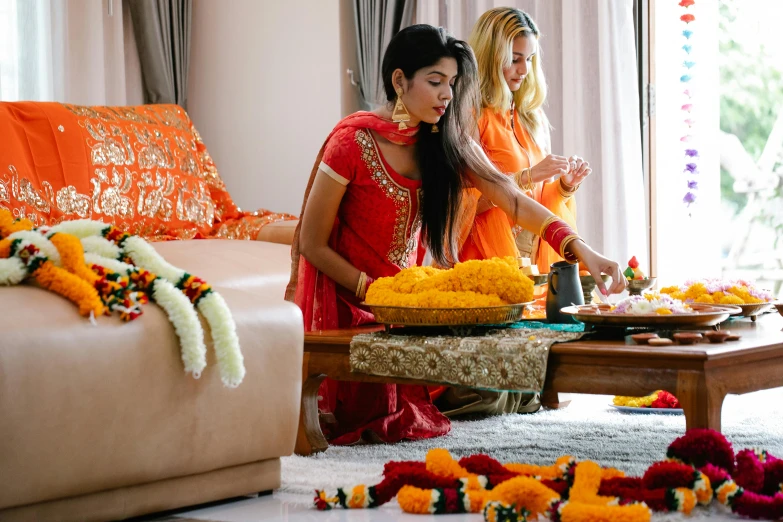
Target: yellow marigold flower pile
717	291
477	283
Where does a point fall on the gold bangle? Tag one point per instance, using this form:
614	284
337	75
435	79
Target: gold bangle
360	287
545	225
519	177
566	190
565	194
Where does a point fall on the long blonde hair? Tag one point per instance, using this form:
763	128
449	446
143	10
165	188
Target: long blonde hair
492	39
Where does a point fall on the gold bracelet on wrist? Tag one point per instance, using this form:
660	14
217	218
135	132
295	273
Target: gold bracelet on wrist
530	178
361	286
565	194
518	177
566	190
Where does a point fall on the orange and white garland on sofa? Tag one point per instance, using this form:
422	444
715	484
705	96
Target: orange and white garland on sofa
89	263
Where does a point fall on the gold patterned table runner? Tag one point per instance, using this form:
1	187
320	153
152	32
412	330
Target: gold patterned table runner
506	359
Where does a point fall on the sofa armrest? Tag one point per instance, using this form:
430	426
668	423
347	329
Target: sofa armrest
279	232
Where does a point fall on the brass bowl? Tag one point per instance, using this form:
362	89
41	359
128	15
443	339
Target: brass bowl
753	310
539	279
413	316
588	285
637	286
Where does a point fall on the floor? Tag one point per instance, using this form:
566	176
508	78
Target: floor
289	507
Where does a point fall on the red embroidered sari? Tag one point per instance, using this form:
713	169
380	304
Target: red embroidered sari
377	231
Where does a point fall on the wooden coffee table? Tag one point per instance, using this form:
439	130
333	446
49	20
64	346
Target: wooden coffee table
699	375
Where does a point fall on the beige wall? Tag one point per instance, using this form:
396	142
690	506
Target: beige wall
348	58
265	90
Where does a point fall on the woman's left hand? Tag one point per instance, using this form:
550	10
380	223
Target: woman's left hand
578	171
597	264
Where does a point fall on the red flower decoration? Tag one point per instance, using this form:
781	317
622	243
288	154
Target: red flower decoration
749	473
687	18
665	400
715	474
773	476
702	446
687	3
668	475
757	506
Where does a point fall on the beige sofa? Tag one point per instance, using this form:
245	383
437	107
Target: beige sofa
101	423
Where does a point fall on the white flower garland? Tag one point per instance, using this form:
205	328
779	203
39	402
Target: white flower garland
212	306
12	271
112	264
179	310
40	242
80	228
164	291
185	320
230	361
144	256
101	246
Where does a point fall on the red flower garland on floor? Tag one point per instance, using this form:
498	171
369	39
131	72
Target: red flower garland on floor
716	456
571	491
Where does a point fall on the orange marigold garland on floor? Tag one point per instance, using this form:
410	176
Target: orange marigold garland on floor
58	258
701	466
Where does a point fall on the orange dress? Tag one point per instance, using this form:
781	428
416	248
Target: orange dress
493	233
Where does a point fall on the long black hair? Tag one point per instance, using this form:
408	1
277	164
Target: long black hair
443	157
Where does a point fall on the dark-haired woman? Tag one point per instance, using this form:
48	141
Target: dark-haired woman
383	180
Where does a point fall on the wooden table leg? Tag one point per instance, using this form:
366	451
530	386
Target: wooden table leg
701	400
551	399
309	439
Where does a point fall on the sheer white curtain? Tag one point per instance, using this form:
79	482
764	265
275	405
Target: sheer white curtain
73	51
588	52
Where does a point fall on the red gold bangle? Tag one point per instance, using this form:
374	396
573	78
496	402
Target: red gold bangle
558	234
546	223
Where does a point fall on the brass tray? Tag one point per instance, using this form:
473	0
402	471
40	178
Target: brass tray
752	310
702	315
413	316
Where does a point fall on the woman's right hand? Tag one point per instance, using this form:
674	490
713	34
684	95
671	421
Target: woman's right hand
550	167
597	264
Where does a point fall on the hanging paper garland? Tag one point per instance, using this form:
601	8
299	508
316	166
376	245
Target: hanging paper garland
691	154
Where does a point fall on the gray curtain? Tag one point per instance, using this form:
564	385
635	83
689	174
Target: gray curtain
377	21
162	31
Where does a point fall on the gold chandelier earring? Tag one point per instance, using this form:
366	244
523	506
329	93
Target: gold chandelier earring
400	114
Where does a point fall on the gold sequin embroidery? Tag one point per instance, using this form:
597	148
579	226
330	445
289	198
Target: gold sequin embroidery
404	239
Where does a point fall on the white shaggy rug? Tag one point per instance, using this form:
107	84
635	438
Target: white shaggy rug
588	429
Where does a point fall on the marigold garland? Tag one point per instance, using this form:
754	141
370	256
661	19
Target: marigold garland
481	484
475	283
93	278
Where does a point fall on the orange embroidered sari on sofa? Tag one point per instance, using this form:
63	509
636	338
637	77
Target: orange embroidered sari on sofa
512	149
377	231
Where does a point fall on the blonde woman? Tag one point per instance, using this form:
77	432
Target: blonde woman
514	132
